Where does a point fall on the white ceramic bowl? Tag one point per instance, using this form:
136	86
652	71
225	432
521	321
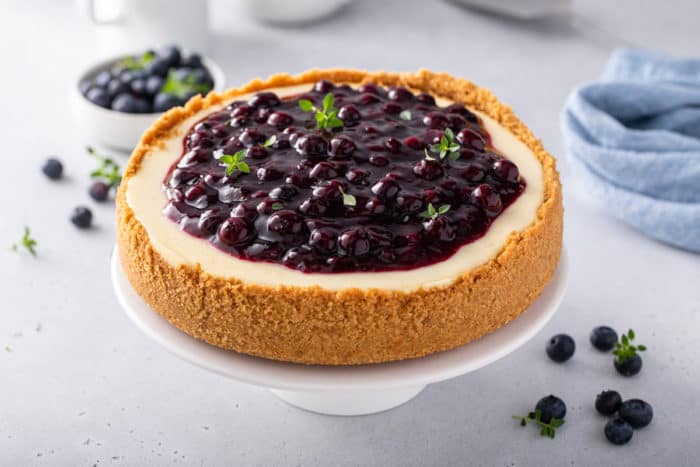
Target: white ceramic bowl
119	130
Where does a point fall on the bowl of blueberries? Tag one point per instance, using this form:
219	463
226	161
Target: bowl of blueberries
115	101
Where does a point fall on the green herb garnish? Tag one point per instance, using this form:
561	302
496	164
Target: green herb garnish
27	242
432	213
447	146
277	206
348	199
624	350
326	117
405	115
108	169
234	162
134	63
270	141
183	87
546	429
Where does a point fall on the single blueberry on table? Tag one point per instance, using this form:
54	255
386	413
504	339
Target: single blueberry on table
81	217
603	338
618	431
551	407
52	168
630	366
561	347
636	412
608	402
99	191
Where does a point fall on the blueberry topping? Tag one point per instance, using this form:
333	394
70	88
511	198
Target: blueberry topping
99	191
81	217
52	168
636	412
603	338
630	366
618	431
551	407
608	402
560	348
343	198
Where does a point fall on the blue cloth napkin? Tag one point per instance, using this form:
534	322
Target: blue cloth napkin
634	140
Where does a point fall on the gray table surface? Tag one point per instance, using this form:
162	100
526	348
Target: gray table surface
82	386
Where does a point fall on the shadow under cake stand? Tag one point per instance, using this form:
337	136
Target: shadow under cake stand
344	390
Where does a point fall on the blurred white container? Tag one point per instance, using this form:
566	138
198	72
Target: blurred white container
124	25
290	12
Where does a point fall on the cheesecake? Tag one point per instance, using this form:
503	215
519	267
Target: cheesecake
340	217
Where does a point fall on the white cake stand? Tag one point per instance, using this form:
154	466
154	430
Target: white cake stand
344	390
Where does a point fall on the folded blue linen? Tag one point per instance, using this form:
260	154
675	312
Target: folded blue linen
634	140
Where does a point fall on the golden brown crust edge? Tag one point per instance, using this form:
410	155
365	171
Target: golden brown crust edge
317	326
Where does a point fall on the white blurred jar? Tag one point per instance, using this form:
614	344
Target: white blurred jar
289	12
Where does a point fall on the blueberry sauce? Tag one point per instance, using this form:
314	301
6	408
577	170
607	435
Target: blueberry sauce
292	207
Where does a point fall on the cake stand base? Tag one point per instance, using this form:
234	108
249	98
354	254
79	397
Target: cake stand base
344	390
353	402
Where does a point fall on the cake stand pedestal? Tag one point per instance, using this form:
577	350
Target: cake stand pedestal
344	390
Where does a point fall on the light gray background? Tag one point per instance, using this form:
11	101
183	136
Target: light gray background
89	388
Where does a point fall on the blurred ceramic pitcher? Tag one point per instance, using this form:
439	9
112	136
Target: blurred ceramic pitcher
125	26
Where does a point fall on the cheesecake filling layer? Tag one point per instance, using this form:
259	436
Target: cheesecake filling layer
147	199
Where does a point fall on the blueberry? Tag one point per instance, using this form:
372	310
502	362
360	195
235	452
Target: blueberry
157	67
116	87
202	76
163	102
138	87
560	348
102	79
618	431
153	85
81	217
171	55
636	412
551	407
130	104
233	231
99	97
127	76
603	338
608	402
84	86
99	191
192	60
52	168
184	74
629	367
